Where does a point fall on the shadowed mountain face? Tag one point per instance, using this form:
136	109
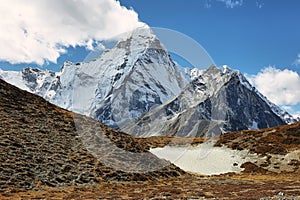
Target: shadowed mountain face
44	145
214	103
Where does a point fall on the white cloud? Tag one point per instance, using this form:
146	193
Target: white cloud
259	5
287	108
208	4
232	3
282	87
40	30
297	61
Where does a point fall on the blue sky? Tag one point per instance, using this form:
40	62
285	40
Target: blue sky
248	35
245	37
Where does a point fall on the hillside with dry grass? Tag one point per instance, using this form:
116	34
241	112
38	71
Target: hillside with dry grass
41	146
279	147
50	153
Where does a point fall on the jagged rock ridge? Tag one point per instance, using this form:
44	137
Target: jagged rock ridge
216	102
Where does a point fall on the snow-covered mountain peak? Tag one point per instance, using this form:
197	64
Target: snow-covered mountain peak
143	34
215	77
139	40
222	73
227	69
66	64
122	83
213	70
219	70
215	102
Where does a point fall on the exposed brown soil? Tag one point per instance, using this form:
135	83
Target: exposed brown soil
50	153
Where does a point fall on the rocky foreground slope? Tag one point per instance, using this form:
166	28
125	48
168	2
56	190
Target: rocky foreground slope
50	153
40	145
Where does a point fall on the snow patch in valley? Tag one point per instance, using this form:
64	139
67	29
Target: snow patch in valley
205	159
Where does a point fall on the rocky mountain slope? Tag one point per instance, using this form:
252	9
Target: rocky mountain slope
217	101
44	145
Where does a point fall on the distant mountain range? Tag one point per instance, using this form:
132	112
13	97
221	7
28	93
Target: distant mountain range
137	87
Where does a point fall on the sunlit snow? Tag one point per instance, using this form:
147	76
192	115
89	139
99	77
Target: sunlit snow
205	158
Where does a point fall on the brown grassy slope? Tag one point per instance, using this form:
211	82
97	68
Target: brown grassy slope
184	187
276	140
40	145
277	147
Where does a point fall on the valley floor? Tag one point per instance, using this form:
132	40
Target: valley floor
229	186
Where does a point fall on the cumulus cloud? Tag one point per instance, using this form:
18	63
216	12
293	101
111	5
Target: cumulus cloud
38	31
232	3
282	87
